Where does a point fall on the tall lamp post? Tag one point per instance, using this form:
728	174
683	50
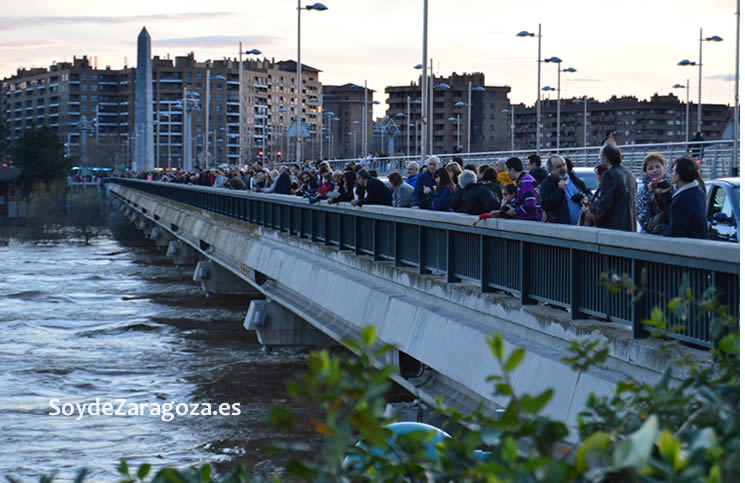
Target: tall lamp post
457	121
241	115
686	87
584	122
354	145
299	87
207	114
557	61
701	40
525	33
548	88
511	111
468	112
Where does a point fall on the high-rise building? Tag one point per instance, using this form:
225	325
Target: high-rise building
661	119
347	102
449	114
62	95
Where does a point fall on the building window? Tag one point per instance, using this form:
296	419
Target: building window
491	105
219	97
83	98
84	108
218	107
83	77
199	76
188	76
94	76
83	87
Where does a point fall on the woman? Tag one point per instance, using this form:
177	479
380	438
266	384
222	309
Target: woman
489	178
650	210
309	184
401	191
443	192
346	188
587	218
687	206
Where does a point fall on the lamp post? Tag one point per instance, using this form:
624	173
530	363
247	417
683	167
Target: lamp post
416	129
328	114
241	115
680	86
701	40
548	88
736	124
512	127
331	130
354	145
457	120
468	112
207	112
557	61
525	33
584	117
299	87
425	91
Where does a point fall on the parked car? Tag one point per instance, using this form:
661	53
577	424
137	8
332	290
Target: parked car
723	209
587	175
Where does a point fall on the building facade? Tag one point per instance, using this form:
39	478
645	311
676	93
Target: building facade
448	119
64	94
345	106
67	93
661	119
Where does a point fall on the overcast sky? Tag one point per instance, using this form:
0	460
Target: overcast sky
626	47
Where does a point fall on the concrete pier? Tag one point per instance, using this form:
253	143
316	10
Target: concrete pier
278	326
218	280
181	253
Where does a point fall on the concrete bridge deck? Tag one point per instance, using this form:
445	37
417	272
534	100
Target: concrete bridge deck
435	287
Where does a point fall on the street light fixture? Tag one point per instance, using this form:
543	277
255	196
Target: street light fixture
686	87
525	33
557	61
299	92
241	115
457	120
686	62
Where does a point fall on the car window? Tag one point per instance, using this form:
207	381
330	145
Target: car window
721	203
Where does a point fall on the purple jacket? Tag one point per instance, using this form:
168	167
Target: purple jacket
528	207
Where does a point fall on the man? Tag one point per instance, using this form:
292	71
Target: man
376	192
560	199
614	208
527	207
687	206
502	176
536	170
284	183
425	179
412	172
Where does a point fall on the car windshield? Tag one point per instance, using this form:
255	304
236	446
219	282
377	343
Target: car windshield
588	177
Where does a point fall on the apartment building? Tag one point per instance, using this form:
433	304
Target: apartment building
661	119
66	93
345	127
449	115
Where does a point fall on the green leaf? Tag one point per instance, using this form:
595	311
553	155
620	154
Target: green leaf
509	450
496	345
514	360
368	335
534	405
204	474
283	419
634	451
715	475
143	471
729	344
123	467
81	475
597	443
504	389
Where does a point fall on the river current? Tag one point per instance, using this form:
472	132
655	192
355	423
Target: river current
118	321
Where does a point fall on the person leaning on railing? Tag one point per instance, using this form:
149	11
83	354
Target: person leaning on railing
376	192
473	197
401	190
439	197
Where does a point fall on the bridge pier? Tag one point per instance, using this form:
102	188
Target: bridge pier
161	236
181	253
217	280
278	326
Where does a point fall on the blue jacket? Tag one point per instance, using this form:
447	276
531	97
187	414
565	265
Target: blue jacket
441	201
687	213
419	199
411	180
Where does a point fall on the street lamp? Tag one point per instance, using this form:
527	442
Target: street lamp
557	61
207	112
512	127
457	120
331	128
299	92
525	33
241	115
684	62
686	87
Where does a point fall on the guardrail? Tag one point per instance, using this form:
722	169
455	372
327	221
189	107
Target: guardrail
537	262
716	157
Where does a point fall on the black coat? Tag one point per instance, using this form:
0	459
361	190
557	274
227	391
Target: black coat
687	213
615	208
476	199
554	201
377	193
539	174
418	198
284	184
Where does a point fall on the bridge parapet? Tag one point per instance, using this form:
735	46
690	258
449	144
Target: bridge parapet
537	262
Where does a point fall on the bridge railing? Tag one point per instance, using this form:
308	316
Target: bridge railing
537	262
716	157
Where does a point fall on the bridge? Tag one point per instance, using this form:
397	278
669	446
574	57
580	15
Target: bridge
435	287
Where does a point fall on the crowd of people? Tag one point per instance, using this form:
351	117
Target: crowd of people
670	204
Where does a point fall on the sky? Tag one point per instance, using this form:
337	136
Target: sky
618	48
